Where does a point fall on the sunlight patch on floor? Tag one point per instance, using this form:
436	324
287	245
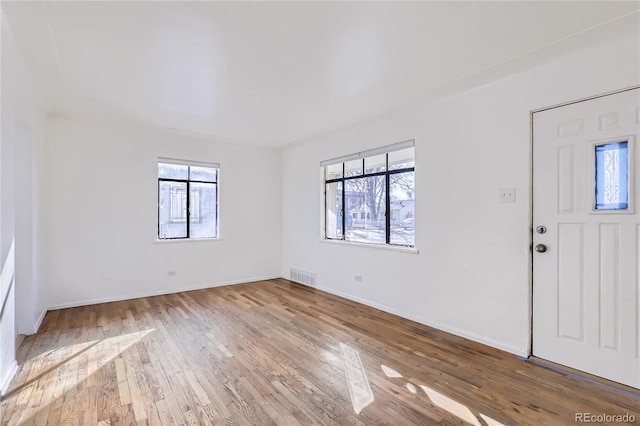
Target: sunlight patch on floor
490	421
64	366
390	372
111	347
457	409
450	405
359	389
444	402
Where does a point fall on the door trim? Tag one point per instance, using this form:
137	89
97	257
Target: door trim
588	98
531	224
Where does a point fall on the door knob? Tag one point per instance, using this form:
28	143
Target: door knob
541	248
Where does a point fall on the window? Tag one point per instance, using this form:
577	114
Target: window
612	176
187	200
360	189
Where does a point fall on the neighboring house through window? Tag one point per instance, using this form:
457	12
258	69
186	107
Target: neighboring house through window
187	200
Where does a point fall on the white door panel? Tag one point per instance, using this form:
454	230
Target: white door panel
585	285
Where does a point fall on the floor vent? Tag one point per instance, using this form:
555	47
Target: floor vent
303	277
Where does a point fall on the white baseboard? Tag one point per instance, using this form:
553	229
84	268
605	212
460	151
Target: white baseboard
440	326
119	298
6	380
39	320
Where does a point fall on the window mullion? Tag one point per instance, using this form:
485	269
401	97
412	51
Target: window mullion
187	207
387	222
387	208
344	231
344	189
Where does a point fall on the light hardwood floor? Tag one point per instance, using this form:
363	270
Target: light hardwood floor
277	353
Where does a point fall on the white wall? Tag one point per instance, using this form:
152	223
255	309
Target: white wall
21	147
101	214
471	276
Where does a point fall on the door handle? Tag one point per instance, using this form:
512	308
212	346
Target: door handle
541	248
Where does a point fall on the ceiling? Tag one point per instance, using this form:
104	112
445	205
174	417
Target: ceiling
272	73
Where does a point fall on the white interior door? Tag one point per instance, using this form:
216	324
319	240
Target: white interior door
586	236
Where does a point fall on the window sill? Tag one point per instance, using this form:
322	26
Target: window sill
186	240
411	250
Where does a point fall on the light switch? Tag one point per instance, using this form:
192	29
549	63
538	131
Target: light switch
507	195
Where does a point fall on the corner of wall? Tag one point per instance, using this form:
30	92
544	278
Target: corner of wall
8	377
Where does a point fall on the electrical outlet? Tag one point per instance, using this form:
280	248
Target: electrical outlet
358	278
172	273
507	195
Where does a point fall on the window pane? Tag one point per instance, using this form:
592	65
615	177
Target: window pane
375	164
401	159
612	176
402	209
366	198
203	210
206	174
333	211
333	171
172	210
172	171
353	168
